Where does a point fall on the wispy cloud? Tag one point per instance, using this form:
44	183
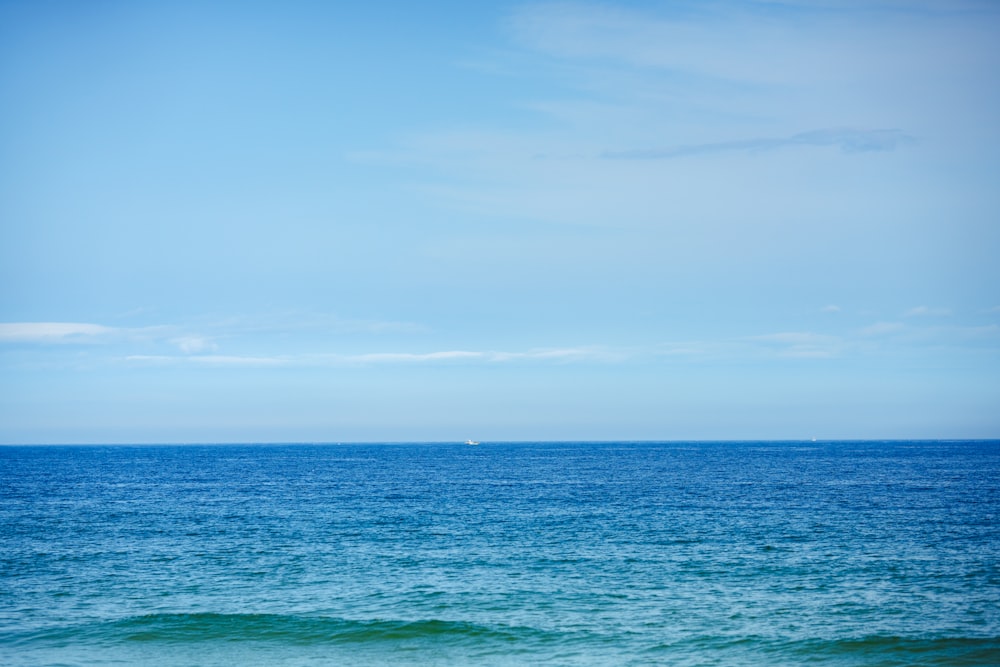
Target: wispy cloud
194	344
783	345
54	332
201	338
729	41
801	344
848	140
48	333
558	355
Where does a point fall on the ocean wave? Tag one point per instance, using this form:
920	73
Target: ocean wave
186	628
473	643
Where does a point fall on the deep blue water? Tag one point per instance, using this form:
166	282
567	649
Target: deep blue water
753	553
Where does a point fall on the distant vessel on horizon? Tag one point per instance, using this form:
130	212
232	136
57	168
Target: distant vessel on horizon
471	442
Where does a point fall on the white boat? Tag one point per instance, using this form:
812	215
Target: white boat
471	442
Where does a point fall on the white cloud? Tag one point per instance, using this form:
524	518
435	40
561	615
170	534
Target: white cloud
578	354
194	344
831	308
53	332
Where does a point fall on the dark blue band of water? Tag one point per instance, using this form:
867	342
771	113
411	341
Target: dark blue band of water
846	553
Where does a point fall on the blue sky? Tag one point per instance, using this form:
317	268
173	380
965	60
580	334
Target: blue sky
314	221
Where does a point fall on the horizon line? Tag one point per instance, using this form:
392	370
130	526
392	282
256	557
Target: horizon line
334	443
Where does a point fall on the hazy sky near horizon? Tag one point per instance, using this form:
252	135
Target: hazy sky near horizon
331	221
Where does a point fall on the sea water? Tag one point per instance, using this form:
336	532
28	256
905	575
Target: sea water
745	553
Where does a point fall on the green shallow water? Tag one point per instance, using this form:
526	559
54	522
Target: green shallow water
534	553
272	629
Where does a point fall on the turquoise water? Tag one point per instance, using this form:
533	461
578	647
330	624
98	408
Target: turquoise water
753	553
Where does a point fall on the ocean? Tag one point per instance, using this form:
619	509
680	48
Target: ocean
611	553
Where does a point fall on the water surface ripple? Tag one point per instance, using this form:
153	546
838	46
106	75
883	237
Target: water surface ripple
776	553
